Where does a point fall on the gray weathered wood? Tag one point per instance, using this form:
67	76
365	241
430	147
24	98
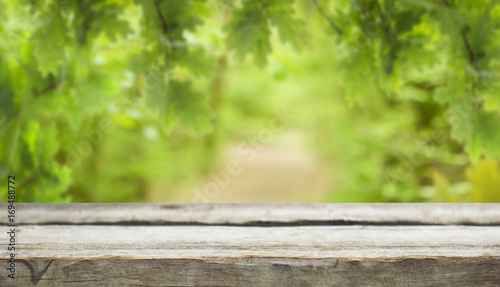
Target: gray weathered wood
246	214
220	245
230	241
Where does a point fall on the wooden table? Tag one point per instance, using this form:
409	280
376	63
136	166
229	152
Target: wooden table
254	245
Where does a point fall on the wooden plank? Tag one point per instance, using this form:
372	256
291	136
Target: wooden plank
287	272
220	245
84	255
258	214
364	242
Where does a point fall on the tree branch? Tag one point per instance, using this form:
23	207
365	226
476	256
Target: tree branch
50	87
384	24
162	18
472	56
322	12
166	34
472	60
86	25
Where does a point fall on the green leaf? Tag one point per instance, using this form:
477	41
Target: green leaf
50	42
196	61
357	72
290	29
486	135
248	33
189	107
107	19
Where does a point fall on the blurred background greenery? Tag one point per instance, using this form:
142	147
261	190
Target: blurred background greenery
92	128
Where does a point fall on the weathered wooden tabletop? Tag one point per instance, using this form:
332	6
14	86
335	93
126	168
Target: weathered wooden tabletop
254	245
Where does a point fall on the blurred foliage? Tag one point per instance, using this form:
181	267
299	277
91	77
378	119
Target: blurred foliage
106	100
485	181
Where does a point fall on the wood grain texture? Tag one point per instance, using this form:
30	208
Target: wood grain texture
230	241
221	245
259	214
243	271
